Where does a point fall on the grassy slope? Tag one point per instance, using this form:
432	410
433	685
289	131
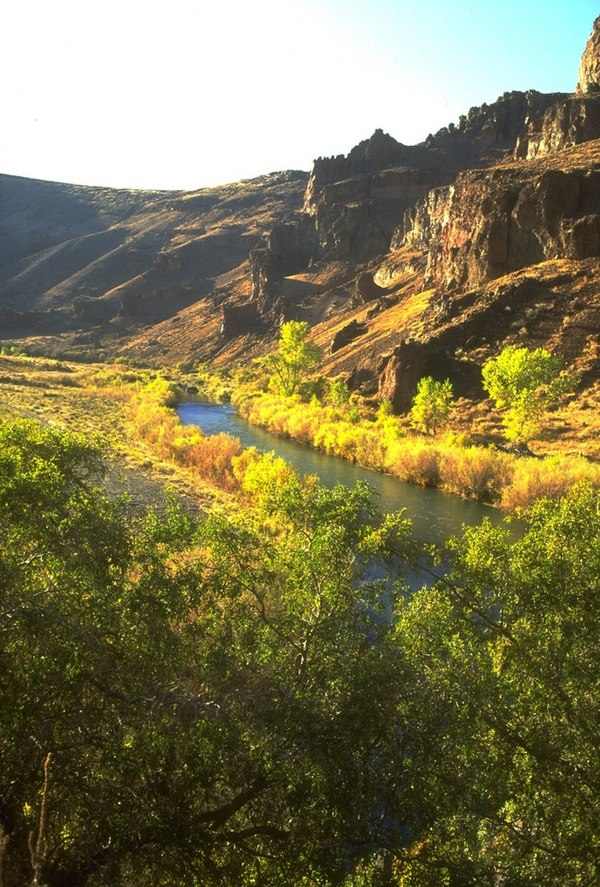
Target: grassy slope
65	393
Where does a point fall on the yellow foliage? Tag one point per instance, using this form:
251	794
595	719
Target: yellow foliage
546	478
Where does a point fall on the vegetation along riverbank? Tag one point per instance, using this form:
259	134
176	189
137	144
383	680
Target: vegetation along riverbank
203	686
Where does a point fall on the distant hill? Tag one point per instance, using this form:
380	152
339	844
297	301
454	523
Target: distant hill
87	267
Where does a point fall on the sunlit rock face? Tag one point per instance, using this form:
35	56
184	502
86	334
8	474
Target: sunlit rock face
589	69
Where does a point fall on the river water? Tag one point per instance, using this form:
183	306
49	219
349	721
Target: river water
435	515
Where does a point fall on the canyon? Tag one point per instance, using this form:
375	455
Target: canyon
405	260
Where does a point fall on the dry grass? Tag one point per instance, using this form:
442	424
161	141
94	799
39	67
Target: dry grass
100	413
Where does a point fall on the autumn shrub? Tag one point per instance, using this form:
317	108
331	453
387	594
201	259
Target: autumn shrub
475	472
549	478
415	461
212	458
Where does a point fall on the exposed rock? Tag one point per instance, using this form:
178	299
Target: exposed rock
399	372
366	289
589	68
169	262
286	249
347	334
359	200
569	122
487	133
492	222
238	319
378	152
363	379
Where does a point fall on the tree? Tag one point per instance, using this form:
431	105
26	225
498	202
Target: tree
526	383
159	774
432	405
295	359
205	691
506	664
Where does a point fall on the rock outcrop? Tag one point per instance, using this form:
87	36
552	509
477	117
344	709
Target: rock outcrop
366	289
589	68
286	249
490	223
570	122
357	201
400	371
347	334
238	319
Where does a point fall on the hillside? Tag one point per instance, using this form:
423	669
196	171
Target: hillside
404	259
86	268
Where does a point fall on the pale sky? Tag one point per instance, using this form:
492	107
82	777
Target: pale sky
186	94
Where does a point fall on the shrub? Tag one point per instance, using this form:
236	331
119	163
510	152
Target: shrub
475	472
546	478
416	462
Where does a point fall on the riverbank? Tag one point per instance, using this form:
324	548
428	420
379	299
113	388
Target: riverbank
449	462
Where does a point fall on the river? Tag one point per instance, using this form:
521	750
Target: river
435	515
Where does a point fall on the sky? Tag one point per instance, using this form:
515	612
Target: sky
188	94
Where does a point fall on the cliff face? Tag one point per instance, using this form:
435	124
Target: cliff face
358	200
570	122
490	223
589	68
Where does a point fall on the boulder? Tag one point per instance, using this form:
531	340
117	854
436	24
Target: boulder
399	374
238	319
366	289
347	334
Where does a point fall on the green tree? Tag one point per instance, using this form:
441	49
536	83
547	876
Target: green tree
159	774
432	405
206	692
295	359
526	383
507	674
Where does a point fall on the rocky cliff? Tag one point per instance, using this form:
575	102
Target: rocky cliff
490	223
589	67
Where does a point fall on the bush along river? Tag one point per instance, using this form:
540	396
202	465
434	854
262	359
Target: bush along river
435	515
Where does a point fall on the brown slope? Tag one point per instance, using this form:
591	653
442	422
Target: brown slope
81	265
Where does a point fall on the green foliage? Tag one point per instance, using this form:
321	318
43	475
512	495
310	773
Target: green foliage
506	658
161	391
255	701
295	359
338	393
432	405
525	382
206	693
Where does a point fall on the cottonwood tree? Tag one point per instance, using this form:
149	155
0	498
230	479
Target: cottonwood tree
432	405
295	359
507	670
525	383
